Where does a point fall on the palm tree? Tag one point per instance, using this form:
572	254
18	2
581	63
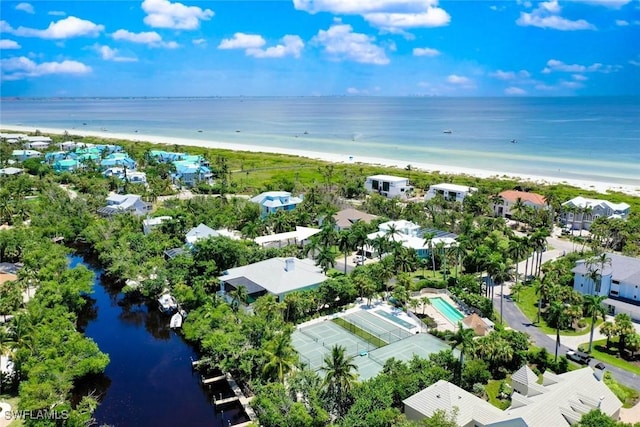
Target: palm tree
624	328
326	259
463	339
499	273
344	243
340	374
281	357
428	242
238	296
515	291
517	249
593	307
557	315
425	302
380	245
608	329
544	287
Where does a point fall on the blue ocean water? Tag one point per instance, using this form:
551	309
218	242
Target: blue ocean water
595	139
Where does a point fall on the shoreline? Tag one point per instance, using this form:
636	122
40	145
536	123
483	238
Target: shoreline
598	186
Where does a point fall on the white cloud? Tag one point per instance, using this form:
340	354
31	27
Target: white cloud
634	62
554	65
547	15
56	13
390	15
9	44
109	54
242	41
622	23
25	7
199	42
64	29
291	46
425	51
352	91
164	14
579	77
571	84
17	68
341	43
512	90
459	80
150	38
613	4
509	75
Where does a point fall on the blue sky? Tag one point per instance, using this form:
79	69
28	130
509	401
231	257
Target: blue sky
320	47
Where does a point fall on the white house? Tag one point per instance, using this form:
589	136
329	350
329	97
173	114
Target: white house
388	185
580	212
203	231
12	138
22	155
273	201
151	223
299	237
450	192
620	282
276	276
11	171
559	401
132	203
412	236
510	198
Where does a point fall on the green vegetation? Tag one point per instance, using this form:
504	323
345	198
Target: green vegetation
359	332
610	357
628	396
495	390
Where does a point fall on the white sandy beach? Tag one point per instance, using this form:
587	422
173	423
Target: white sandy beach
602	187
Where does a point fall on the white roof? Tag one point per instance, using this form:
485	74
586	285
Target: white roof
445	396
200	232
453	187
156	221
273	199
301	233
583	202
272	275
389	178
10	171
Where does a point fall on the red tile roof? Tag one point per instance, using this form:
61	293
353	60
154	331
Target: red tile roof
513	196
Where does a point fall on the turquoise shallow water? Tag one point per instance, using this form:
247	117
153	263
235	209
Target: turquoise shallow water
595	139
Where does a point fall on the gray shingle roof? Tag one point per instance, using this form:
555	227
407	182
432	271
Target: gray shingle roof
625	269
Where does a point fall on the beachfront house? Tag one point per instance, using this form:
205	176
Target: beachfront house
118	159
509	201
22	155
66	165
345	218
12	138
189	173
450	192
273	201
617	279
119	203
275	276
411	236
388	186
580	212
559	401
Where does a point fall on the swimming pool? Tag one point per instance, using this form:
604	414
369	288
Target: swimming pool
447	310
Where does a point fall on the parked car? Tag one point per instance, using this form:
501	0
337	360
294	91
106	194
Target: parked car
579	357
359	259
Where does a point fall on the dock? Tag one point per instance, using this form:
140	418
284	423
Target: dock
212	379
225	401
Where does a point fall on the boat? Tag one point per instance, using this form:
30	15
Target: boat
167	303
176	320
447	131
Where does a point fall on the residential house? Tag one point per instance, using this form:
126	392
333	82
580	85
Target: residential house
580	212
617	279
412	236
450	192
118	159
388	186
559	401
12	138
345	218
480	325
36	145
511	198
132	203
149	224
275	276
273	201
202	232
10	171
124	174
22	155
66	165
54	156
189	173
161	156
298	237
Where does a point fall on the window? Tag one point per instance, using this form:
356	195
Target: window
385	186
375	184
615	293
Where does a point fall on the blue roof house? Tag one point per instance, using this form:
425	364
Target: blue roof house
165	156
189	174
273	201
118	159
66	165
54	156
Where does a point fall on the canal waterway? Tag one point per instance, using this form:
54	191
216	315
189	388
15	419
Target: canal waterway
149	380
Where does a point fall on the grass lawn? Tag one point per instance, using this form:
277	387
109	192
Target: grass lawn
627	395
610	357
493	389
528	304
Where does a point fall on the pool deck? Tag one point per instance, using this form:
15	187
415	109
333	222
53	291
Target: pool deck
443	323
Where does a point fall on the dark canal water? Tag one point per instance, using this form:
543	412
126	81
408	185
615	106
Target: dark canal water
149	381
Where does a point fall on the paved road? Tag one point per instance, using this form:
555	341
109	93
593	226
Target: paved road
518	321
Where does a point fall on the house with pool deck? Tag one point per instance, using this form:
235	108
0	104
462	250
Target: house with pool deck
620	283
412	236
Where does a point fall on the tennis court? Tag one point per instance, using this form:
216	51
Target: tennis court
377	326
421	345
